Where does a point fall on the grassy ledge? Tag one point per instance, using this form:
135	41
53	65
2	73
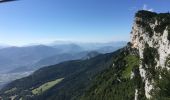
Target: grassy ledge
46	86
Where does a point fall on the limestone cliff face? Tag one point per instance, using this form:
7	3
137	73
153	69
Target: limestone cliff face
151	36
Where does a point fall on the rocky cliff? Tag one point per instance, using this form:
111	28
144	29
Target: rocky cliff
151	36
143	75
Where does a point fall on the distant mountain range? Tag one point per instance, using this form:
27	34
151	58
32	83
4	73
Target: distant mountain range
3	46
91	46
28	56
52	60
14	61
13	57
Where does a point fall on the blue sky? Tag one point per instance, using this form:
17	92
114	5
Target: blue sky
41	21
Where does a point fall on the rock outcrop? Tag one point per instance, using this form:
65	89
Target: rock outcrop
151	36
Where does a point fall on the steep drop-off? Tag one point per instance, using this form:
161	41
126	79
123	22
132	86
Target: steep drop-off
150	78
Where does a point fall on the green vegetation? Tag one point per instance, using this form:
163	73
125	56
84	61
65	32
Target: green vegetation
163	20
146	26
161	91
147	15
149	55
160	28
160	76
168	32
167	62
11	90
132	62
146	18
108	86
149	58
115	83
46	86
139	84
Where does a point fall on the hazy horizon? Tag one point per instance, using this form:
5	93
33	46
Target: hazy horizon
59	42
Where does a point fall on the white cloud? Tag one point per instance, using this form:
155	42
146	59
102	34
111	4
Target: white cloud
145	7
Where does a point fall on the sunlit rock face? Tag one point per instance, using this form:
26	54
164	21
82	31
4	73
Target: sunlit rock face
151	36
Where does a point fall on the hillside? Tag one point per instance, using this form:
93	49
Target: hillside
76	77
116	83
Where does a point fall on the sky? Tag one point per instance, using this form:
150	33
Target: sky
43	21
